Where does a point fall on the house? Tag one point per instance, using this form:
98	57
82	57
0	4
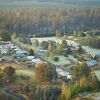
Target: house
62	73
91	63
96	55
36	60
3	51
18	55
41	51
30	58
74	50
21	52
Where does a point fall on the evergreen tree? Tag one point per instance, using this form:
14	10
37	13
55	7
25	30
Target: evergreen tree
80	49
31	52
69	50
5	35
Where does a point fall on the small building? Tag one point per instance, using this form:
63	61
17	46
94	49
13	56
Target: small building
42	51
18	55
96	55
21	52
74	50
3	51
36	60
30	58
91	63
62	73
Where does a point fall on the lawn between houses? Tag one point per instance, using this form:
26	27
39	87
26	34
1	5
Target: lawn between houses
62	60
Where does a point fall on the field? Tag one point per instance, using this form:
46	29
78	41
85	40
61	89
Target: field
62	61
24	71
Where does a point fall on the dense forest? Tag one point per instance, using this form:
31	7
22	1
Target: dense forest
49	20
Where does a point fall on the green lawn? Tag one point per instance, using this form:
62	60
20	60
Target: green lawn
62	61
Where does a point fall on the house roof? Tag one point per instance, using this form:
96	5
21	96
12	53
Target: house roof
97	55
62	72
18	55
36	60
30	57
91	63
20	52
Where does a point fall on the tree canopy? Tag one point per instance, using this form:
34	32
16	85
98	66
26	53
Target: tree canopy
45	72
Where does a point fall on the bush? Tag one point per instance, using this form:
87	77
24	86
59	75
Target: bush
75	56
56	59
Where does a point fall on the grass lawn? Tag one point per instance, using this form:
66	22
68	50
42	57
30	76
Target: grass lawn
19	71
62	61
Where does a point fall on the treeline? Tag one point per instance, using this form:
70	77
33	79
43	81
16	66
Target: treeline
50	20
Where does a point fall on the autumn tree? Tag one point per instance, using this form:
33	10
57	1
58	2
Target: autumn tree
59	48
45	72
95	83
9	73
66	92
80	70
84	84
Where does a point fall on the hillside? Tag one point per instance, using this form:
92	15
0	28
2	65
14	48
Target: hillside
30	3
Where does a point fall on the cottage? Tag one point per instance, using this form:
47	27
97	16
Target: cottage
62	73
91	63
18	55
30	58
3	51
36	60
96	55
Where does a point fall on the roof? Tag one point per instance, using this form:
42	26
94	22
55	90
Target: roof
30	57
62	72
36	60
18	55
91	63
97	55
20	52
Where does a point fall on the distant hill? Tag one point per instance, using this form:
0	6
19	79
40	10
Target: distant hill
79	3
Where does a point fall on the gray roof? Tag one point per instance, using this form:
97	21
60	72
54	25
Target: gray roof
91	63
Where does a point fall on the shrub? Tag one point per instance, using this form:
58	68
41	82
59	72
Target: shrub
56	59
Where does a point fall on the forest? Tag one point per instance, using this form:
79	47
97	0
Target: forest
49	20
